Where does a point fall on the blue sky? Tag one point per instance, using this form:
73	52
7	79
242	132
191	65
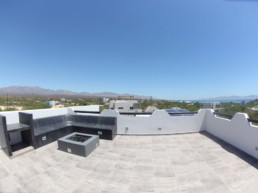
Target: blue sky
167	49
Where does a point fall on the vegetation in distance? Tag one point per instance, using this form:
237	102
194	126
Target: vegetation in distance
166	104
11	103
232	108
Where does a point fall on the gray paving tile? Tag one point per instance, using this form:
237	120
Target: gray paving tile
167	163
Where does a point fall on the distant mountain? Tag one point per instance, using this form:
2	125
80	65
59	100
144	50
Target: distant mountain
249	97
38	91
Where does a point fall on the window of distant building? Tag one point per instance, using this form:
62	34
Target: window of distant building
131	108
120	107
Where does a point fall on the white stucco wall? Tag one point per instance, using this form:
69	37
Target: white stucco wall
92	108
13	116
237	131
86	108
160	122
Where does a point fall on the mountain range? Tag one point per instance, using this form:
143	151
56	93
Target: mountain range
38	91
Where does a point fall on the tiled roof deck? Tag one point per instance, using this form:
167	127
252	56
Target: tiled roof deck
166	163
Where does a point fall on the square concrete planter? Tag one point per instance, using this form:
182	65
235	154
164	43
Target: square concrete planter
78	143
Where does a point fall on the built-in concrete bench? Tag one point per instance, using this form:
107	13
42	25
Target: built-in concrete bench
49	129
49	124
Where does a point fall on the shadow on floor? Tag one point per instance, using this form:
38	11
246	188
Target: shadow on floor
21	149
231	149
19	146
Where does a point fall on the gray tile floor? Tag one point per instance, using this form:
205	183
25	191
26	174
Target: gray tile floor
169	163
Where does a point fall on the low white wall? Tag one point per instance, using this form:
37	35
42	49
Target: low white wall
160	122
86	108
13	116
237	131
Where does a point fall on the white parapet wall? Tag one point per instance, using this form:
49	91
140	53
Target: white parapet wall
237	131
160	122
92	108
13	116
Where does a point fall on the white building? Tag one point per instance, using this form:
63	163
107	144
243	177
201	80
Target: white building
105	100
125	105
254	108
211	105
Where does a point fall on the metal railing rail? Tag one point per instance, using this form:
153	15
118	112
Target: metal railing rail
252	120
92	112
137	113
223	115
181	113
147	113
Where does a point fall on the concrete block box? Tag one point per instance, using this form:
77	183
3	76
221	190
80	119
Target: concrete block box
78	143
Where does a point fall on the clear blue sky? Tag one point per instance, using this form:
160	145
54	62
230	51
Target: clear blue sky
168	49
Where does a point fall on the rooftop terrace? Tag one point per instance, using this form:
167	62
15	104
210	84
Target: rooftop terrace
150	153
196	162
